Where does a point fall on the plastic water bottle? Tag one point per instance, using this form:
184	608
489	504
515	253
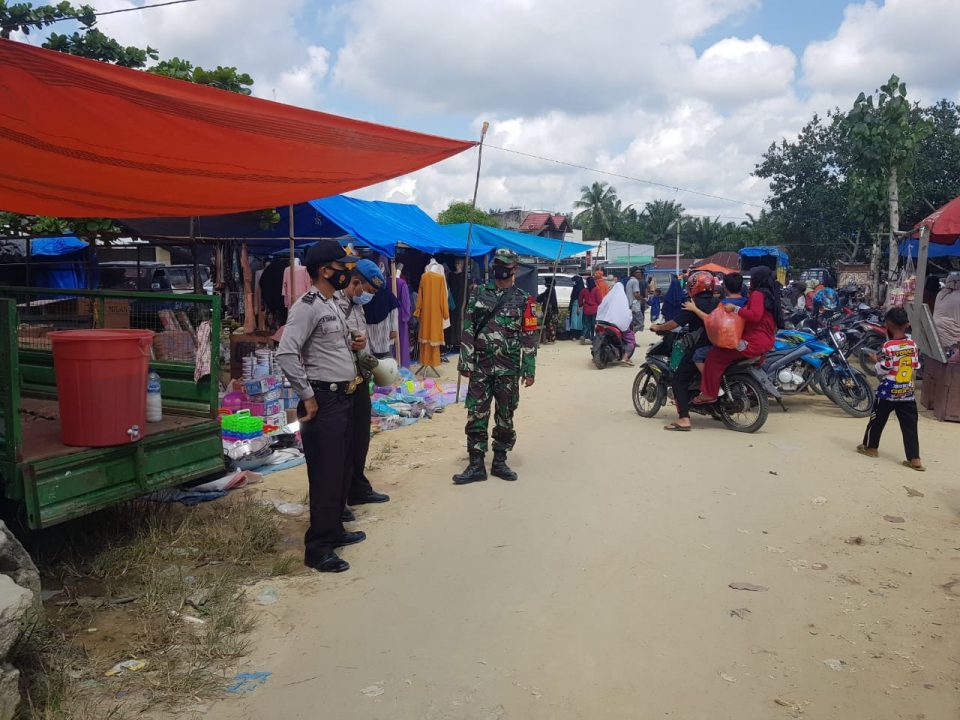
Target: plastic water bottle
154	402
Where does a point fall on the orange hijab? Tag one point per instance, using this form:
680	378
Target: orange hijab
601	283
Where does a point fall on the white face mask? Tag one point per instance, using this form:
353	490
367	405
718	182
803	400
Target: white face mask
363	298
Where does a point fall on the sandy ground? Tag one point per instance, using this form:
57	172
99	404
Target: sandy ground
597	585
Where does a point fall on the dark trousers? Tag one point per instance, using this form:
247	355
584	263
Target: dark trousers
906	411
359	485
328	448
684	374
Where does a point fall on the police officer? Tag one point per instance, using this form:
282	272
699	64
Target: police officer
498	348
366	281
316	353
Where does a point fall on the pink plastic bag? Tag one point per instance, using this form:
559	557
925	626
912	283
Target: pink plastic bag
725	329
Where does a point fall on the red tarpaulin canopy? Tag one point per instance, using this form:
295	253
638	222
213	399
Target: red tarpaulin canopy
81	138
943	223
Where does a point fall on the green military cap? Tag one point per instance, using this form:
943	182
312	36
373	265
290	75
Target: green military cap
506	257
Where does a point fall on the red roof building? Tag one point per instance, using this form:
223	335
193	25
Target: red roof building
725	259
544	224
669	262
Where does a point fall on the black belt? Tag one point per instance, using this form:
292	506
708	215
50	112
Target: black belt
332	387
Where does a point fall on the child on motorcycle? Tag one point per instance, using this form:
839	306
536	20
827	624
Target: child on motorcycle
899	359
700	286
732	287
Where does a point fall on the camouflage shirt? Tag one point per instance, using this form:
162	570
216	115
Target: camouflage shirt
507	342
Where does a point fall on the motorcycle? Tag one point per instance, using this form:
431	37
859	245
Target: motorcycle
608	345
801	359
742	405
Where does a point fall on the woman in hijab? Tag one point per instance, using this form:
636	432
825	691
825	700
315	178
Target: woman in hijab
551	312
382	321
576	309
602	286
673	300
946	316
590	300
762	315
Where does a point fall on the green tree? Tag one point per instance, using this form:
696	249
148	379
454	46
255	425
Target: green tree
459	211
936	173
225	78
93	44
660	218
598	205
23	17
883	137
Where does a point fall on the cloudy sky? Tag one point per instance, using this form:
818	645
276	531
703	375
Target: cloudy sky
686	93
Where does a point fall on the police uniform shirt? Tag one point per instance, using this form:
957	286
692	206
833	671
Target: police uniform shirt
356	320
315	345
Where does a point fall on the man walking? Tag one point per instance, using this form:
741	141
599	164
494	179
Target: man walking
637	297
498	348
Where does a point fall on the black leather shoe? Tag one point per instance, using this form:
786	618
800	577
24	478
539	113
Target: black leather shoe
371	497
351	538
474	472
500	469
330	562
348	516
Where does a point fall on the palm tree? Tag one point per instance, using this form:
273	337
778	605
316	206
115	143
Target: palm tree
660	219
598	205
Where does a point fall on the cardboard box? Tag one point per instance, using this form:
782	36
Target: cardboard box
116	313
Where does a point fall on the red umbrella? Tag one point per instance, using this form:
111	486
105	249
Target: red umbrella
943	223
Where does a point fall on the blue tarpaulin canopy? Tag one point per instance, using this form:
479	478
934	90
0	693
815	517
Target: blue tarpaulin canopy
521	243
910	246
381	225
64	272
783	260
55	246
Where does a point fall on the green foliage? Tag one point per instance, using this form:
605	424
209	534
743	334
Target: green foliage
459	211
599	211
13	225
23	17
225	78
268	218
93	44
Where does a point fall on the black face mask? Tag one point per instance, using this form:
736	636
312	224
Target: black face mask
340	279
502	273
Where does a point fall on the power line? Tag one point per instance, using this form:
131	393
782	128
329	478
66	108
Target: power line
675	188
123	10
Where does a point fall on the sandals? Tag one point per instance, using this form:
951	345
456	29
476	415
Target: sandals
676	428
914	465
703	400
869	452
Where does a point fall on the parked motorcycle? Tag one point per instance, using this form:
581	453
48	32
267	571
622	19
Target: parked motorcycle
742	405
608	345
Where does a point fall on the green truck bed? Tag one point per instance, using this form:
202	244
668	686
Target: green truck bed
55	482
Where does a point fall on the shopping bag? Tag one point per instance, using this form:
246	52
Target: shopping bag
725	329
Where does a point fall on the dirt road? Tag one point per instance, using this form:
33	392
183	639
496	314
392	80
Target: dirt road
598	585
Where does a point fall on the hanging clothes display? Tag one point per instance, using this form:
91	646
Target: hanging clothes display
404	313
434	314
455	281
295	283
381	315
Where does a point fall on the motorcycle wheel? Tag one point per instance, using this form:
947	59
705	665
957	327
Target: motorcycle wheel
870	345
852	393
744	408
649	394
599	361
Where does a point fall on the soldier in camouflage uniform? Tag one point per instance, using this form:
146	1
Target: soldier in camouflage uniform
498	348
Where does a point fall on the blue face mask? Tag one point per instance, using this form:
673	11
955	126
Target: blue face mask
363	298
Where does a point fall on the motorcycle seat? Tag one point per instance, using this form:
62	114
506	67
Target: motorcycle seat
747	363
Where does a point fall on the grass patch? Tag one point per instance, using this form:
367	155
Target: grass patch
146	581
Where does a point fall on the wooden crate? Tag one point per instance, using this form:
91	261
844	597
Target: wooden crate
940	391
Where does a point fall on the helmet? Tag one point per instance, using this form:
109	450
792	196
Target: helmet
827	298
386	373
699	283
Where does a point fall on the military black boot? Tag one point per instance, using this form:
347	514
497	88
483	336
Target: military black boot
475	472
499	468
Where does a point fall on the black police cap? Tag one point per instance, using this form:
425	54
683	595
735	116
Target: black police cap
324	252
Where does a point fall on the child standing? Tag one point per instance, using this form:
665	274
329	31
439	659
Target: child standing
898	361
655	306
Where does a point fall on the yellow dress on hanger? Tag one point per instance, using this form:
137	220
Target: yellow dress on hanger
432	311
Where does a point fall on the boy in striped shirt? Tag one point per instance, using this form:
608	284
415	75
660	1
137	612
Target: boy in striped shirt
898	360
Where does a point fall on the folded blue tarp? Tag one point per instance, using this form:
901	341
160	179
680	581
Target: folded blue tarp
381	225
760	252
911	246
522	243
64	272
55	246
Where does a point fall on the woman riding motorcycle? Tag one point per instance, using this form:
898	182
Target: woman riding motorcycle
700	287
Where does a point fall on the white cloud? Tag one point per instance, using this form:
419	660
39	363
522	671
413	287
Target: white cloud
916	39
300	85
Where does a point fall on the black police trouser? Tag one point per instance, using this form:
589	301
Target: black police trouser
328	448
362	410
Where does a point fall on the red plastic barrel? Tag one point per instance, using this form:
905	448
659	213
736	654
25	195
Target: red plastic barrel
102	385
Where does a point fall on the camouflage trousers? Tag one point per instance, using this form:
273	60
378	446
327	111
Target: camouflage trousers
483	390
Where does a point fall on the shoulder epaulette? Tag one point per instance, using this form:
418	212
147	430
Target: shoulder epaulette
310	297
